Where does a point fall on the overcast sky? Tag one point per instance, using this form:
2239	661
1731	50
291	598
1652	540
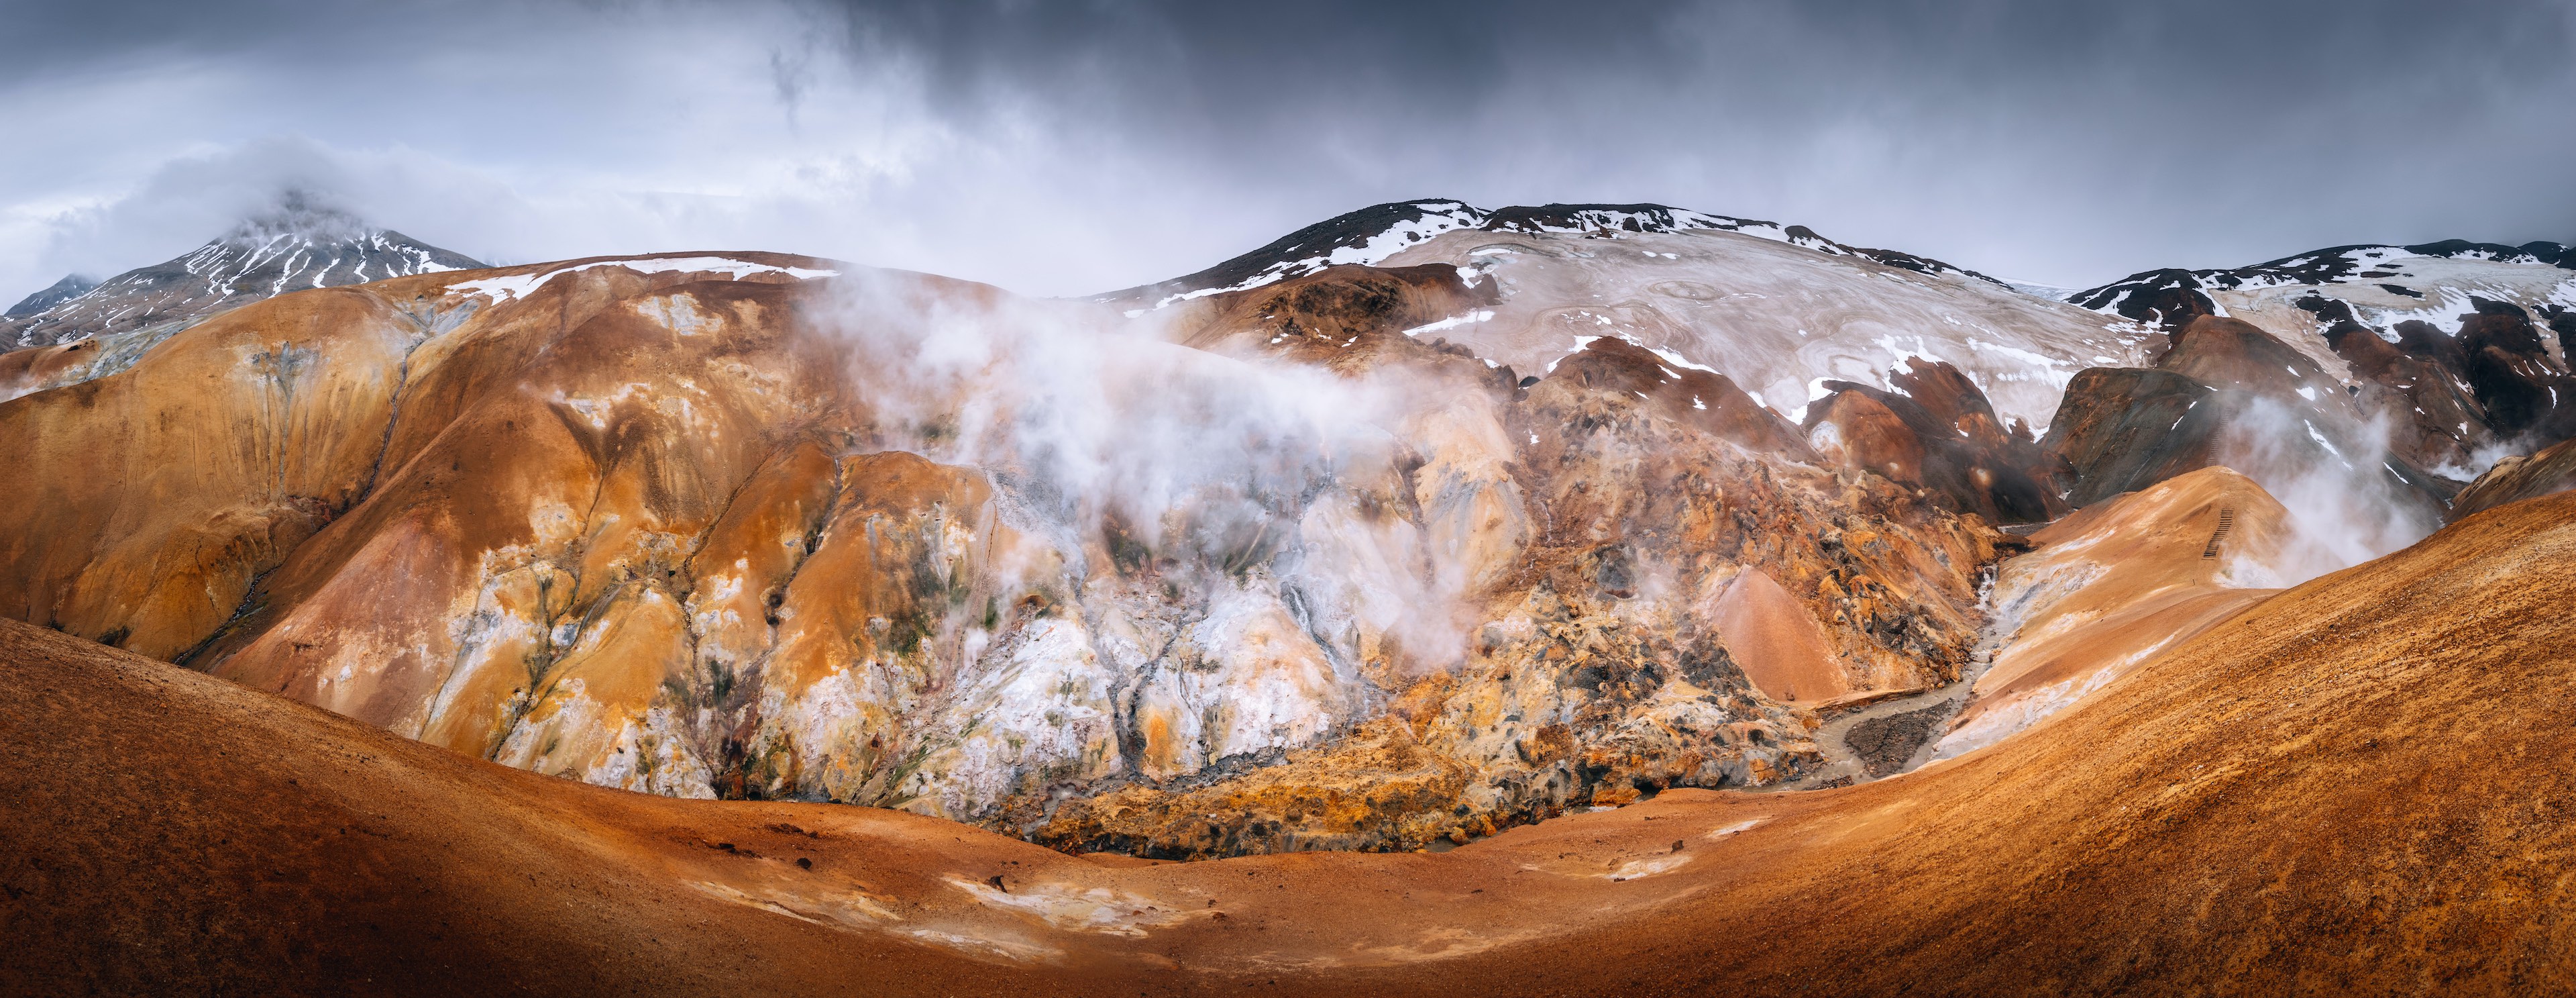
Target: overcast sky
1063	148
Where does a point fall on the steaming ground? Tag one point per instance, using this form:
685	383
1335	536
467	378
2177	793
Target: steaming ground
744	525
1094	424
2347	510
1345	558
752	526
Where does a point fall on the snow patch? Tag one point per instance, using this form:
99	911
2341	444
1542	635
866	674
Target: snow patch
1453	322
521	285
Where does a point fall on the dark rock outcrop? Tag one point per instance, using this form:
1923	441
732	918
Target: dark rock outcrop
2234	354
2226	392
2124	428
2562	321
2526	392
2434	418
2169	298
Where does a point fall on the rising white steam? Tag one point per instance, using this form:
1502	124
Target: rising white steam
2339	483
1215	465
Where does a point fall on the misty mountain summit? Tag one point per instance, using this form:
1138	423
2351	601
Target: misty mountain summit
294	245
70	287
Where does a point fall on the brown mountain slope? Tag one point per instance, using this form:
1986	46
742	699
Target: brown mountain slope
751	526
2358	787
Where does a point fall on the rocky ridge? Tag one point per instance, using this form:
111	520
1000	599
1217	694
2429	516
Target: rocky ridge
2457	346
1776	312
1369	236
70	287
2173	296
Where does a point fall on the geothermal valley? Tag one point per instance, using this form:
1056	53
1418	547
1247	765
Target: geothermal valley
1567	600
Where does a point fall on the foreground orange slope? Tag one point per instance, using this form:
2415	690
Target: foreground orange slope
2360	786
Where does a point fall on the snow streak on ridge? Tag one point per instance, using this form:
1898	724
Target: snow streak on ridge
2138	296
1371	235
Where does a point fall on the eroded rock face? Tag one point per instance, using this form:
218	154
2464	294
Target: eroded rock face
145	504
733	526
1604	666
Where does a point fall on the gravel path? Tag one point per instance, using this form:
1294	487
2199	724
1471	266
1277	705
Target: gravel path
1891	736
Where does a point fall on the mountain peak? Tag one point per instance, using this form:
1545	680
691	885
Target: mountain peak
297	243
301	215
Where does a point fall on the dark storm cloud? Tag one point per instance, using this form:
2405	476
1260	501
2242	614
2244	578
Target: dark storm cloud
1066	147
2062	140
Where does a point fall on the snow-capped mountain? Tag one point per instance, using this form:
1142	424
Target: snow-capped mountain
293	247
1778	308
1371	235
